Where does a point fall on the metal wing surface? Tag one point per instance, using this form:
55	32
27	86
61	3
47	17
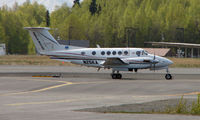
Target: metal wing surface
114	62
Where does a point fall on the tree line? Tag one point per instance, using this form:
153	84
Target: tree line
108	23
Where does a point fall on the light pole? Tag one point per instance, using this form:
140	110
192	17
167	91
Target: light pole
70	32
129	32
182	36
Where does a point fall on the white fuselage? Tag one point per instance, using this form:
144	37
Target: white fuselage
95	57
119	59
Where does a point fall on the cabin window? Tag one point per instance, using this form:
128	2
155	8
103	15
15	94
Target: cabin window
108	53
125	52
114	52
120	53
145	52
93	53
103	53
138	53
82	53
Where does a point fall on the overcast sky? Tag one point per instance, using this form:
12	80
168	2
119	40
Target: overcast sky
50	4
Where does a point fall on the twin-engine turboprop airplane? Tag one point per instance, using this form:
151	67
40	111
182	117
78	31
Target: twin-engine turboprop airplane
119	59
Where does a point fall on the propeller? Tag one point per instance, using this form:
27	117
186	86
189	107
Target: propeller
154	62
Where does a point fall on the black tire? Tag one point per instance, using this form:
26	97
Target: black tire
114	76
168	76
136	70
119	76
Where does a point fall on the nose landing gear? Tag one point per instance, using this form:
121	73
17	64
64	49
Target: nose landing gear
116	75
168	76
136	70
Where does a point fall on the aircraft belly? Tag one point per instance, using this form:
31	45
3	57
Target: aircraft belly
130	67
140	66
134	66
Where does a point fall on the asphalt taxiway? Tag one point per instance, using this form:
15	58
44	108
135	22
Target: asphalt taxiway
25	97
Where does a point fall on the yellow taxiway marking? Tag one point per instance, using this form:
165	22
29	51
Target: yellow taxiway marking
64	83
38	103
56	101
169	95
185	94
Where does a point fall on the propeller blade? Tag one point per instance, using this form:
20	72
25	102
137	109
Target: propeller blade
154	64
98	69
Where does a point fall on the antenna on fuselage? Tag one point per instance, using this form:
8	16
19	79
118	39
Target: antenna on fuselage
98	46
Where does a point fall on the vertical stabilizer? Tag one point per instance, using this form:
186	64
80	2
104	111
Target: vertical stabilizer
43	40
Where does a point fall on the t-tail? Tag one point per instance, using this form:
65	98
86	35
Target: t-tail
45	42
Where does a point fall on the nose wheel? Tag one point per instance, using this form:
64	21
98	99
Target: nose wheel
116	75
168	76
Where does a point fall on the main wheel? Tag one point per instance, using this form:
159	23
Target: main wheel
136	70
114	76
119	76
168	76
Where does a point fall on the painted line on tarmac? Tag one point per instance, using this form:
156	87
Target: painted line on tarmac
38	103
64	83
169	95
54	102
185	94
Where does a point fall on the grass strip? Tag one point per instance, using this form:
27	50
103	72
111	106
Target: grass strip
45	61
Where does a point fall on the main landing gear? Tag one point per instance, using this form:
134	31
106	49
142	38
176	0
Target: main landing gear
116	75
168	76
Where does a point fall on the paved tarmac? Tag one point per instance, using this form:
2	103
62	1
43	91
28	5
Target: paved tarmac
23	97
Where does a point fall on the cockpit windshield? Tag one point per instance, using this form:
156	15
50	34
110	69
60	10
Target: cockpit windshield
144	52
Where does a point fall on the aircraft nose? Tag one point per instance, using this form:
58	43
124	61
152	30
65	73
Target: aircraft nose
169	62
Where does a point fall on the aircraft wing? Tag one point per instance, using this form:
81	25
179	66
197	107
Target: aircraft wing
113	62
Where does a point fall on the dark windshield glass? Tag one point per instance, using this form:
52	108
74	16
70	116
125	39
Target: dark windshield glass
138	53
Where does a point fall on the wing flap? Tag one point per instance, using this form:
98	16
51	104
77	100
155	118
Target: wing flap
114	62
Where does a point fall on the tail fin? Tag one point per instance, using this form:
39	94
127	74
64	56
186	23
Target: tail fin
43	40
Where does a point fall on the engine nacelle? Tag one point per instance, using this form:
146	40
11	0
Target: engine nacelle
123	69
138	60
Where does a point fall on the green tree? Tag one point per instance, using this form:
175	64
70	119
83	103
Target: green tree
76	2
93	7
103	22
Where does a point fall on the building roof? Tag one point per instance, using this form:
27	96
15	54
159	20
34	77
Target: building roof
173	44
158	51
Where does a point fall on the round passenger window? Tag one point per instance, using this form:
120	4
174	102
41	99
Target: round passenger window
102	53
93	53
108	53
82	53
114	52
125	52
120	52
